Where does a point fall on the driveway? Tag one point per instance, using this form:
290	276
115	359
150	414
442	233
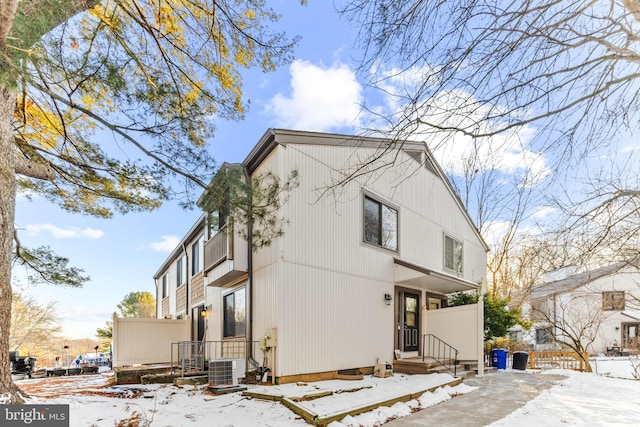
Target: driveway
498	394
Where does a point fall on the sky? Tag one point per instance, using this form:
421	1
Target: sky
582	399
319	91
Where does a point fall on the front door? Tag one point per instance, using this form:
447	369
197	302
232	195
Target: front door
410	321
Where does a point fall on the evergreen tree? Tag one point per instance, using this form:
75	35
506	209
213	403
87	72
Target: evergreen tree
151	74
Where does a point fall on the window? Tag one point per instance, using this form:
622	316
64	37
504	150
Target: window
540	310
217	220
544	336
515	336
380	224
452	254
180	273
234	314
196	261
613	301
165	285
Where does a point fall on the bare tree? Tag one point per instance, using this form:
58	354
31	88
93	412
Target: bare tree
495	68
604	217
34	326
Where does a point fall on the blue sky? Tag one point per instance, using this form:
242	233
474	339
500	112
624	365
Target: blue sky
319	91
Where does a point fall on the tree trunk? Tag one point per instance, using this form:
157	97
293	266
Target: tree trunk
41	16
9	393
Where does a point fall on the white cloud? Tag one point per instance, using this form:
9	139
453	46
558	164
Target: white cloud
508	152
329	98
321	98
167	244
543	212
494	231
64	233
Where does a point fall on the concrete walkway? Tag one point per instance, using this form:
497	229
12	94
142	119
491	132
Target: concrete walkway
498	394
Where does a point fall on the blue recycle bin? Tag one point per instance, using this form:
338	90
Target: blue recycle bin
499	358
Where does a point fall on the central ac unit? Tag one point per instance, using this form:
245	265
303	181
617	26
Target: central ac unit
226	371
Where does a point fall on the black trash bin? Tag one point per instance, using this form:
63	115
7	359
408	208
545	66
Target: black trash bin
520	359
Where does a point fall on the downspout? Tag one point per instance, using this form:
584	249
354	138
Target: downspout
186	289
249	267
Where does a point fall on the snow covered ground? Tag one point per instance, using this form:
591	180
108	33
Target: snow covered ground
607	397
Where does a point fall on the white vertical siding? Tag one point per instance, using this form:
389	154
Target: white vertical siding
330	310
331	321
319	284
213	320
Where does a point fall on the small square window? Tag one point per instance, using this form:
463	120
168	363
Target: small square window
613	301
540	310
544	336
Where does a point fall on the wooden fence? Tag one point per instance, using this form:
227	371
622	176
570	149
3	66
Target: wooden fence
558	360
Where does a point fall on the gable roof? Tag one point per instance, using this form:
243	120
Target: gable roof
274	137
575	281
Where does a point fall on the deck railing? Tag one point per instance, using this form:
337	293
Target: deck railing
216	249
193	356
559	360
443	353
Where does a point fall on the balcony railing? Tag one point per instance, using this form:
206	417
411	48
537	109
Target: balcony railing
218	248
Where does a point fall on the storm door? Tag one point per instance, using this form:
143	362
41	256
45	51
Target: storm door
409	315
630	333
197	327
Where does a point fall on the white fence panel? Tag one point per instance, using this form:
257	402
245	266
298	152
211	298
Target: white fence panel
140	341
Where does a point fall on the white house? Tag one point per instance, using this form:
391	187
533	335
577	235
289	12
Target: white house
600	306
359	272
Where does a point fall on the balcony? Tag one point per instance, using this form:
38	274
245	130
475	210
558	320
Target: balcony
225	257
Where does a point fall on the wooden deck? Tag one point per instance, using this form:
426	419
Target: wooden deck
417	366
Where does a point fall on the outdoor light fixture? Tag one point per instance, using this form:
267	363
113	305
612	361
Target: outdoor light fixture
204	310
387	299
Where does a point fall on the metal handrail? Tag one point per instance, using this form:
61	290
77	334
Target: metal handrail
443	353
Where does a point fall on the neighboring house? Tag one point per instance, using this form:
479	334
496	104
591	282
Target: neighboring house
599	305
357	273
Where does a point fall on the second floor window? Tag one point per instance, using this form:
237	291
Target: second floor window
613	301
196	261
217	220
540	310
180	272
165	286
380	224
453	251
